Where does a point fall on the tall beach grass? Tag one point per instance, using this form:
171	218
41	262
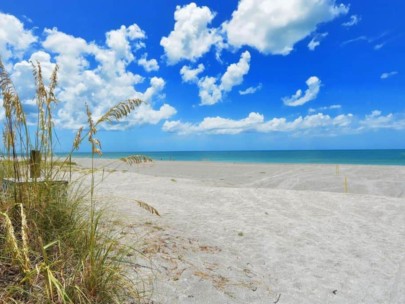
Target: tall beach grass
52	249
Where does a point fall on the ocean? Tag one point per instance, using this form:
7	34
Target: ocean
363	157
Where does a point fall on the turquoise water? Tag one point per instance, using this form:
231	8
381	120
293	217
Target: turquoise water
364	157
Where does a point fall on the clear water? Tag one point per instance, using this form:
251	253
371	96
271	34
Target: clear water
364	157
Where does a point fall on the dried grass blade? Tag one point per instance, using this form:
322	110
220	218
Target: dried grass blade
24	237
52	85
11	241
120	110
78	139
11	101
148	207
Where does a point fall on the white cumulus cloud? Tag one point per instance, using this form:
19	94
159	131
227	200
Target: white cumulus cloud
388	74
93	74
255	122
149	65
191	37
189	74
274	26
300	98
120	40
316	41
354	19
326	108
251	90
315	124
14	38
235	72
215	125
308	122
209	91
212	89
145	114
376	120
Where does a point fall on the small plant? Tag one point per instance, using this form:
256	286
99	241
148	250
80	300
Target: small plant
346	186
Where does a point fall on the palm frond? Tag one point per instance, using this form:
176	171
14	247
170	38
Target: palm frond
136	159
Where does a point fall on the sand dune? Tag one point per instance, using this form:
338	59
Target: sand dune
251	233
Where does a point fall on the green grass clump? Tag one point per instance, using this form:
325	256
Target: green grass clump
52	249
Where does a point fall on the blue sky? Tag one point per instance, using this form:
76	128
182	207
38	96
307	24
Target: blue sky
218	75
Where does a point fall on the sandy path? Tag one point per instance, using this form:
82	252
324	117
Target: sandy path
242	242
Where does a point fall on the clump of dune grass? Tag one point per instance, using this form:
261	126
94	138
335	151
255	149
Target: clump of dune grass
52	249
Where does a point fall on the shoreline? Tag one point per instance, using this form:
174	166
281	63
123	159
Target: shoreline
342	157
98	158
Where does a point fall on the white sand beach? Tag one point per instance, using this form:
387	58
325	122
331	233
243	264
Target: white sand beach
263	233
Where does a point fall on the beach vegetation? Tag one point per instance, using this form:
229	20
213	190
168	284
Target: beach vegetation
54	247
346	185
